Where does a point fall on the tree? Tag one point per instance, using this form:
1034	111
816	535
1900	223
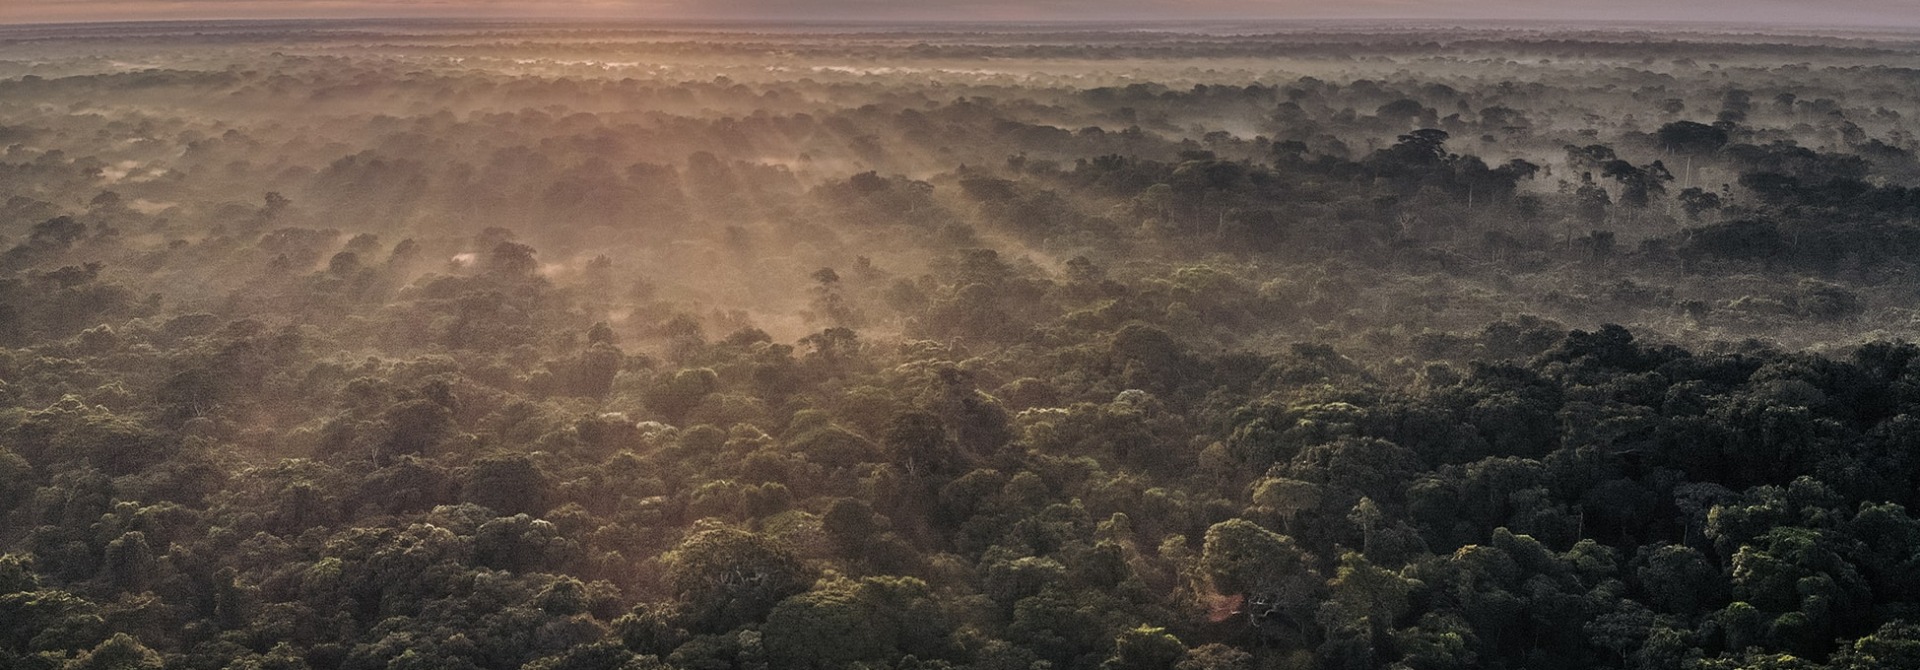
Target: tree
414	427
1638	185
1216	656
1591	201
1680	580
1146	648
510	259
1286	497
509	484
917	441
1241	557
830	305
597	656
1364	599
1404	110
522	543
130	562
1691	137
845	622
596	369
1895	645
1811	592
48	620
1697	201
1367	515
676	394
282	656
851	523
120	652
725	577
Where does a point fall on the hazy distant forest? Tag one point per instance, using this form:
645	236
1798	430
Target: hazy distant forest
463	346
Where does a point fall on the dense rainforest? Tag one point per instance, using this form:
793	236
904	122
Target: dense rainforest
464	346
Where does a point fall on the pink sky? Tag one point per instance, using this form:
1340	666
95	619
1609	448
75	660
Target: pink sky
1879	13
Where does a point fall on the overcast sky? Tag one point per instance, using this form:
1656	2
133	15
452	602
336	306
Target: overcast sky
1882	13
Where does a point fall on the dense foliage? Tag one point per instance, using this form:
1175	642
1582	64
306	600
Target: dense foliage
357	347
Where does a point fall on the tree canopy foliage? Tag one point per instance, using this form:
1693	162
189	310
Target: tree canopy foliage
403	346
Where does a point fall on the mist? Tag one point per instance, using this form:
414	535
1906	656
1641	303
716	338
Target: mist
1883	14
1064	337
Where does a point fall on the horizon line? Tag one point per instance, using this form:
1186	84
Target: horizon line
1688	24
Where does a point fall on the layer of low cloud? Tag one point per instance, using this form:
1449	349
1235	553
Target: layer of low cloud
1877	13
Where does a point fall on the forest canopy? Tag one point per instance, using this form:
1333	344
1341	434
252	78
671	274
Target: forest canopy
467	345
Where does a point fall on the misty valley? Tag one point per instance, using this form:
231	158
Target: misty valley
486	345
